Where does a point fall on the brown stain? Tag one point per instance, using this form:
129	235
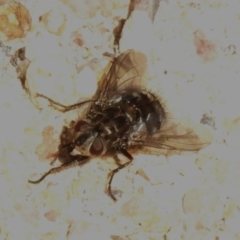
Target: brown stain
48	147
142	173
19	25
79	41
205	49
51	215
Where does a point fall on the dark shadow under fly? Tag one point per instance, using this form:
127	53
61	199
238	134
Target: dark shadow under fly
120	118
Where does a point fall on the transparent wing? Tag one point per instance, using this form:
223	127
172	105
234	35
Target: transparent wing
173	139
186	142
125	71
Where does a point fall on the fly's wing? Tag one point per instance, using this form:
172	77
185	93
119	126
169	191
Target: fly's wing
126	71
186	142
173	139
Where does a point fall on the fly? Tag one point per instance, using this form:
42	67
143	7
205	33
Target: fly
121	118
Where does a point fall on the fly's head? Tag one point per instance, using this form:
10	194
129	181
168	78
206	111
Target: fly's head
80	139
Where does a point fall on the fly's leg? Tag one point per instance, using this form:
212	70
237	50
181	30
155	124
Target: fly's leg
111	178
62	108
74	163
128	155
53	161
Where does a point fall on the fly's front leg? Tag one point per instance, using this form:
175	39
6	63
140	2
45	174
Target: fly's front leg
60	107
74	163
128	155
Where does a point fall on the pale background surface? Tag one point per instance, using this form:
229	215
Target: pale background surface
194	47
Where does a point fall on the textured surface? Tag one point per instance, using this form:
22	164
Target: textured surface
194	53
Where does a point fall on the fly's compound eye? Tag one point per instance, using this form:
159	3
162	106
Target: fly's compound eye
153	123
97	146
81	126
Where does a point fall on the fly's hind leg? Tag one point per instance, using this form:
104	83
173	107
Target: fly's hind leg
74	163
128	155
60	107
